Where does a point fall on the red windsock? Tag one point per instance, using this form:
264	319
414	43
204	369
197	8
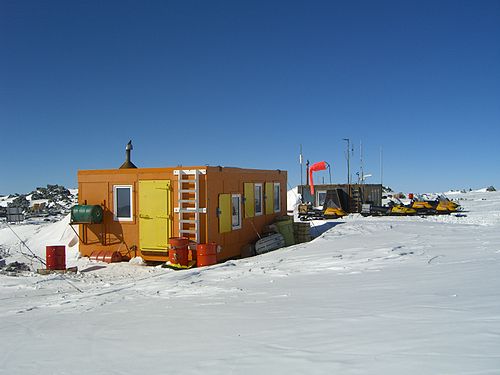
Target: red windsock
319	166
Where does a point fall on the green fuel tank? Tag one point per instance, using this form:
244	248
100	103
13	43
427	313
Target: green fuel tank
88	214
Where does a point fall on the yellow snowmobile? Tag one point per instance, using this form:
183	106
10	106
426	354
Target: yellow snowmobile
393	208
333	213
307	212
446	206
401	210
441	206
422	205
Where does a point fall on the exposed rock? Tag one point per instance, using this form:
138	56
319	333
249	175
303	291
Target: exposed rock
16	267
20	201
55	200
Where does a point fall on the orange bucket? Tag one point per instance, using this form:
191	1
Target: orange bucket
178	252
206	254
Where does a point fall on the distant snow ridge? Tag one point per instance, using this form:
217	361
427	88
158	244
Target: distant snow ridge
490	188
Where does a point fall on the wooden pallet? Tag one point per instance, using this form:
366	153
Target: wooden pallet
44	271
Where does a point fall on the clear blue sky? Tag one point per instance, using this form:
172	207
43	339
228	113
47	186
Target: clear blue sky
244	83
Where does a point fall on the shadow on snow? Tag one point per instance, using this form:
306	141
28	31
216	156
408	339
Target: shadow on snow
318	230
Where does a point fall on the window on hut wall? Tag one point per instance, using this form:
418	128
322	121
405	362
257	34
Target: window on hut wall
122	195
320	197
277	200
258	199
236	211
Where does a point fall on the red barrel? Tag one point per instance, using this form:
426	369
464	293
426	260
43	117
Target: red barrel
178	252
206	254
55	257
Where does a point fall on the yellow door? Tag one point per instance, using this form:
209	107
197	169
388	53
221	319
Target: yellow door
155	214
225	217
249	199
269	198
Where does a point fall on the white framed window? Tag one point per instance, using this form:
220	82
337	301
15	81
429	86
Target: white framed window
236	211
277	197
122	202
258	199
320	197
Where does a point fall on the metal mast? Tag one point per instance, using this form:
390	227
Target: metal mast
361	162
301	161
381	168
348	160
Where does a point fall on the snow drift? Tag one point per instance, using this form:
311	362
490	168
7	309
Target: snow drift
368	296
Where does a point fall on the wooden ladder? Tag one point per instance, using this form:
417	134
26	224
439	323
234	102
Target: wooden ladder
357	197
188	208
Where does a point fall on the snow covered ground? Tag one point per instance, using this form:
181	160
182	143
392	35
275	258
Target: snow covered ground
368	296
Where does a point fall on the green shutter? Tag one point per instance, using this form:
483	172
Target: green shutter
249	199
269	198
225	213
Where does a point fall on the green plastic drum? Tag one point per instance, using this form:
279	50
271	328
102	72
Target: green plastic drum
285	227
86	214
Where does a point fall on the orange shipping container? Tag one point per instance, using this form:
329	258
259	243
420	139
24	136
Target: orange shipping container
144	207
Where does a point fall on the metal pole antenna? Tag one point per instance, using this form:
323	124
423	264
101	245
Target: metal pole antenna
307	172
301	165
361	161
348	160
381	168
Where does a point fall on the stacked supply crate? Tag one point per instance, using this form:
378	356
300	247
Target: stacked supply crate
301	231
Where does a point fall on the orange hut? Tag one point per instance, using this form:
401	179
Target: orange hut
143	207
